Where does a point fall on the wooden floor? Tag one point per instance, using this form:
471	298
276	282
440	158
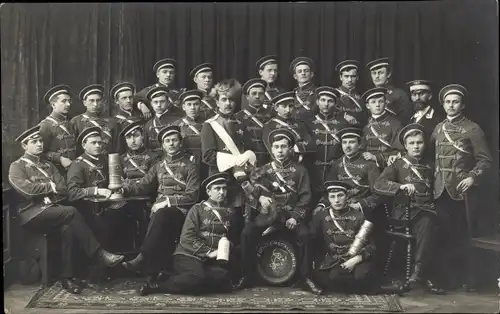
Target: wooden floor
17	296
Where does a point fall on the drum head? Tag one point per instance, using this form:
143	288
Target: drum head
276	261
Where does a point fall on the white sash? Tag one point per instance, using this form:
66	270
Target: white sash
123	118
352	177
253	118
92	165
390	111
224	136
45	199
207	104
301	102
59	125
155	127
191	126
135	164
415	171
350	97
423	114
216	213
97	125
280	177
267	95
335	137
378	136
336	223
448	137
171	173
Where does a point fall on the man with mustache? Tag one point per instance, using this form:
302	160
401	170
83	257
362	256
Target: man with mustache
462	159
165	72
253	116
334	230
398	103
304	99
413	175
43	190
92	97
421	96
202	76
58	138
350	102
165	114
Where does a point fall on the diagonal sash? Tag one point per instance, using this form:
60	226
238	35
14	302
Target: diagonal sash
267	95
253	118
135	164
350	97
156	127
351	176
224	136
301	102
46	199
59	125
191	126
123	118
336	223
415	171
92	165
216	213
287	126
171	173
97	125
448	137
323	123
423	114
207	104
280	177
379	137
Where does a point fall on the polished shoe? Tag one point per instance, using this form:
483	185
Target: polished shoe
135	264
109	259
433	288
415	278
71	286
243	283
147	288
310	286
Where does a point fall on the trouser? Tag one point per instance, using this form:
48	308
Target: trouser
193	276
424	230
72	225
163	231
251	236
455	260
341	280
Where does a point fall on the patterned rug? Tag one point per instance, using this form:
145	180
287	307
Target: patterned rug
120	295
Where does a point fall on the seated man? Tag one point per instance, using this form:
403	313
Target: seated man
285	185
176	179
342	259
197	266
415	176
43	189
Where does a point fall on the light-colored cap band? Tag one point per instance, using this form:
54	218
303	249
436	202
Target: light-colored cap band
204	69
282	136
61	91
191	97
256	84
379	65
216	180
169	132
453	91
350	65
409	131
419	87
32	136
350	135
132	129
283	99
170	65
157	93
121	89
375	94
91	91
268	61
327	93
90	134
332	187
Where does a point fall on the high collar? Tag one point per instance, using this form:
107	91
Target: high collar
94	115
172	158
216	204
165	85
271	87
164	113
306	87
205	92
288	121
140	151
282	165
126	113
193	121
341	212
58	116
413	160
347	90
380	117
94	159
353	157
33	158
328	116
457	118
225	116
253	109
387	85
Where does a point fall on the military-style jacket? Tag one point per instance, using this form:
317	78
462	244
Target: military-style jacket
156	123
27	177
173	95
407	170
299	128
287	184
250	131
107	125
202	229
136	164
85	175
428	118
191	135
270	92
208	107
334	243
398	103
58	138
351	103
327	145
124	118
305	101
461	152
360	174
175	178
380	137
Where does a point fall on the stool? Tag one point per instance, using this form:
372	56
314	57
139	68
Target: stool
38	257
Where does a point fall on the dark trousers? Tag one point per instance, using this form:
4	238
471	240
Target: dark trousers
341	280
424	230
163	232
251	236
72	225
193	276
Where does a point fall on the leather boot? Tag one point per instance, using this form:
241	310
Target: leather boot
309	285
71	286
135	264
433	288
109	259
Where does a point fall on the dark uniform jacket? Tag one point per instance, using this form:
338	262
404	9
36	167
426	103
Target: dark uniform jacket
85	175
34	186
467	155
181	186
305	101
250	130
202	229
108	127
428	118
191	135
327	145
270	92
155	124
380	137
299	128
418	172
58	138
355	108
136	164
333	243
172	96
398	103
124	118
208	106
287	184
360	174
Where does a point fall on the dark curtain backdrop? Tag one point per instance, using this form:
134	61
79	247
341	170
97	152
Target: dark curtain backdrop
80	44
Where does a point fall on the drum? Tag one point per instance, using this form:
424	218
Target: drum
276	260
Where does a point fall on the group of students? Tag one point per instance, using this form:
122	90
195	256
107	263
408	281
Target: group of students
323	164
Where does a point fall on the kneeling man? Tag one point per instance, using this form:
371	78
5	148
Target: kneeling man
342	260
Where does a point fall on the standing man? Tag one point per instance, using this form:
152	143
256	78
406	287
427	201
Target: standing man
91	97
398	103
253	116
462	159
302	71
58	139
350	102
165	114
203	78
43	188
165	72
421	96
176	180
